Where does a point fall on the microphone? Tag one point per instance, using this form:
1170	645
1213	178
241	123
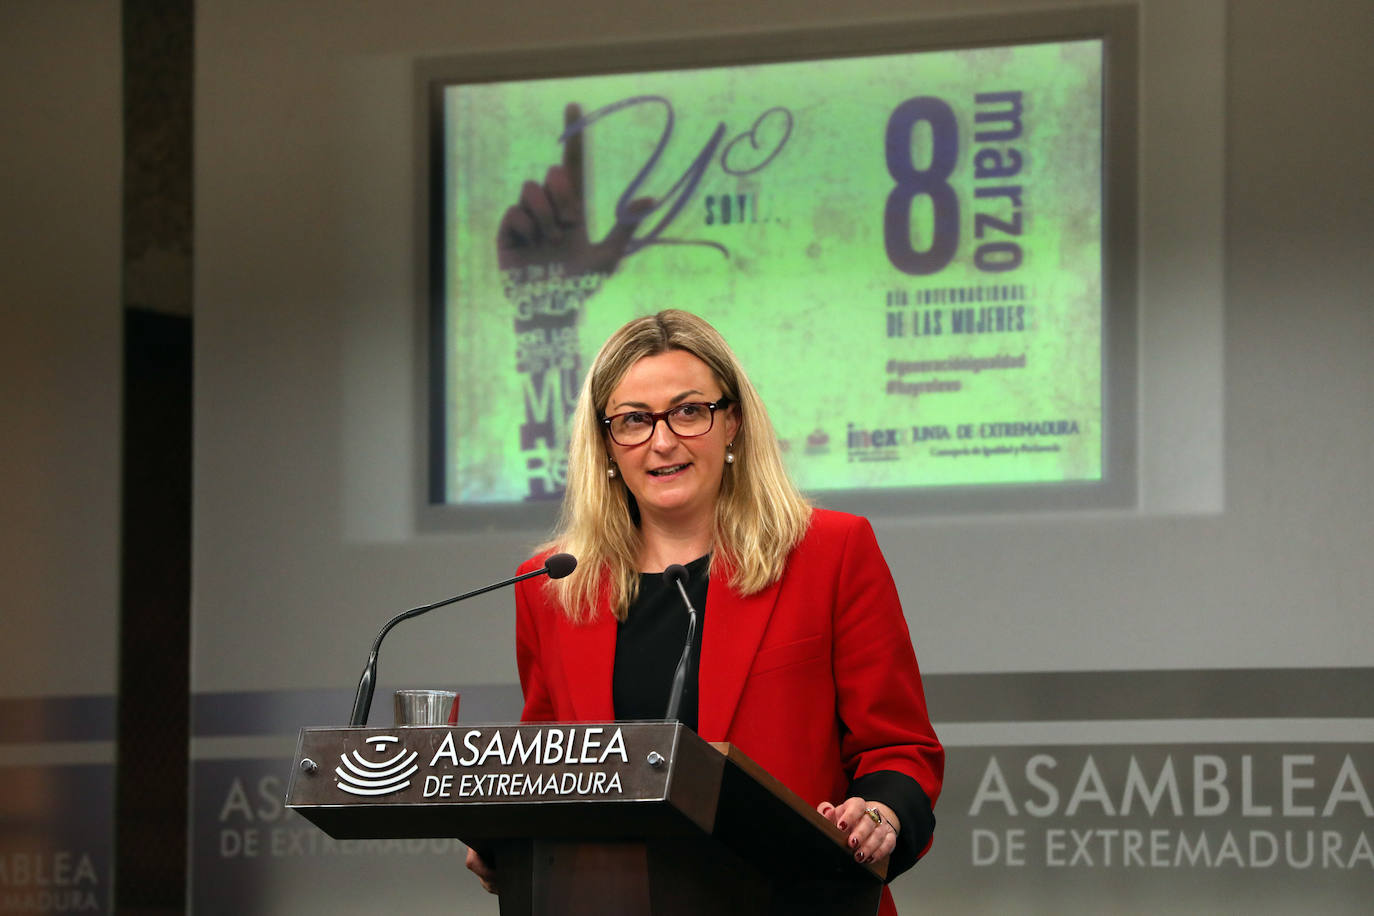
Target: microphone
677	575
556	566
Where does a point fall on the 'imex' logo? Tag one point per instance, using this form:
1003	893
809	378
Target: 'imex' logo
366	777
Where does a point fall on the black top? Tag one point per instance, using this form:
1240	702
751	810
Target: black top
647	648
649	643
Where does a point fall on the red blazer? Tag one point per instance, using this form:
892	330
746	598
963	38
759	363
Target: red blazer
814	677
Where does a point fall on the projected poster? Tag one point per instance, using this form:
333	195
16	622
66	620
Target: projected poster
904	251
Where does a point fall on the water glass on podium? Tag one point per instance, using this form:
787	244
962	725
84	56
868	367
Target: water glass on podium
426	707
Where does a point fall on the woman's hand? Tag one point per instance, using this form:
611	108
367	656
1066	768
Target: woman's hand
484	872
871	838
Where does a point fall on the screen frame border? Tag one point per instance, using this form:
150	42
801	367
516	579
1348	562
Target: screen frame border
1117	26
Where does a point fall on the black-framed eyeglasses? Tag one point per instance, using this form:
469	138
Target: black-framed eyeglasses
687	421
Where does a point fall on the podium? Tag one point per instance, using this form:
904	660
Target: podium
630	818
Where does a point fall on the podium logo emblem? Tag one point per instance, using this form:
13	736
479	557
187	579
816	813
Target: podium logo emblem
360	776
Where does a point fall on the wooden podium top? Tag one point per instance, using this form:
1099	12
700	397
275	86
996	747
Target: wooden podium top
575	781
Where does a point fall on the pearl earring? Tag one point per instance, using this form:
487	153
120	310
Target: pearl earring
610	472
729	455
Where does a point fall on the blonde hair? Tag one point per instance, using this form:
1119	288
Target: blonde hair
760	514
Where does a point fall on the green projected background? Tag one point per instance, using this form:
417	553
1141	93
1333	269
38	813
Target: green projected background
905	252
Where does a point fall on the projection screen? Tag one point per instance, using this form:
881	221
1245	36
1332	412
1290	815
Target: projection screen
924	257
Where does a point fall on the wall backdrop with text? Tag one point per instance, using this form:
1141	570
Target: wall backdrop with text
1145	711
